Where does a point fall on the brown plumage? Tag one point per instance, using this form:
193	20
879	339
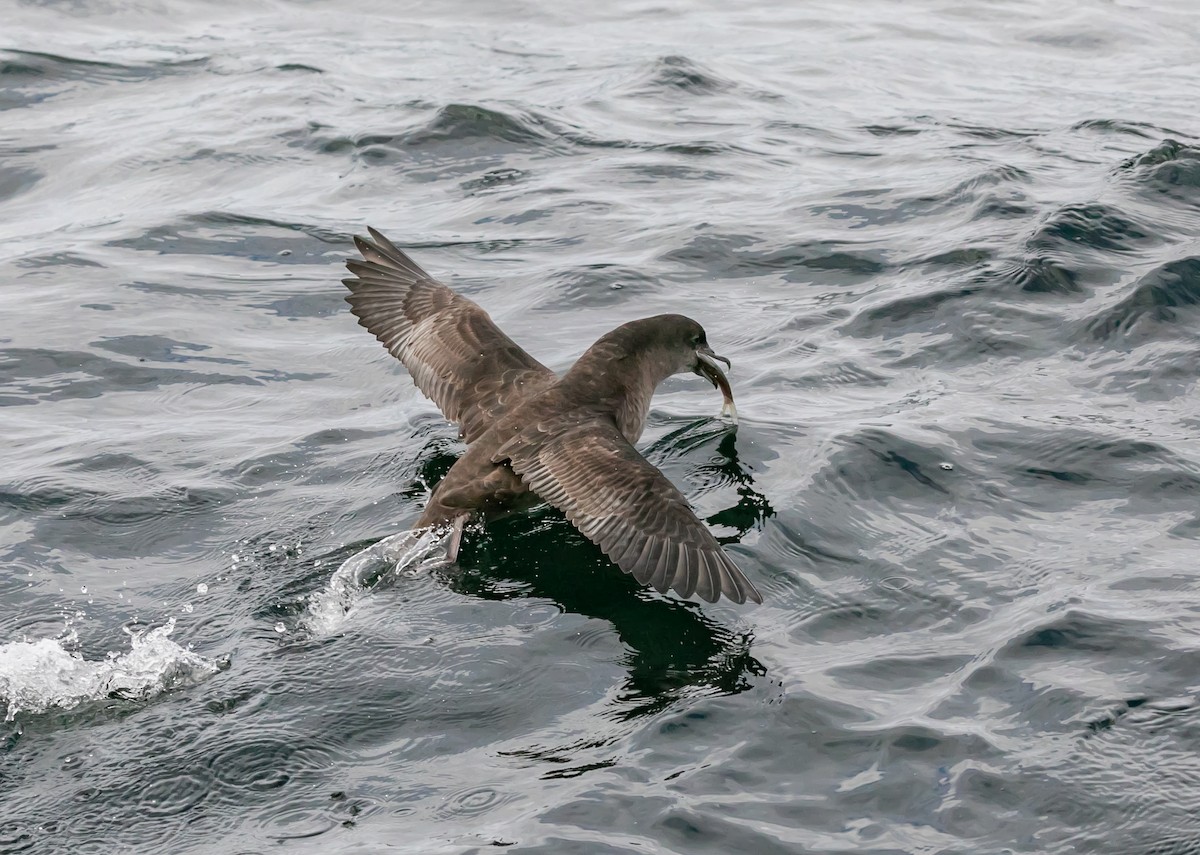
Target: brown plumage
567	440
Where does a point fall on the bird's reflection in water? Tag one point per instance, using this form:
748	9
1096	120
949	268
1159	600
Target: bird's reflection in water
724	469
675	649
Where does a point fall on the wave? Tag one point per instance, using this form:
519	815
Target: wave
44	674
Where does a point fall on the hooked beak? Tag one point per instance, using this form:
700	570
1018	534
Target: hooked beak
706	366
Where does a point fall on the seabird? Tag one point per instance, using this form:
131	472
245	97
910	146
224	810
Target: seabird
531	434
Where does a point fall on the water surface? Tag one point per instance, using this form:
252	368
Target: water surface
952	251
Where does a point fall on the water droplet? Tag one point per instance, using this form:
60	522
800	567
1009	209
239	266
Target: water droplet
236	558
187	608
202	588
83	590
273	547
279	627
617	286
947	466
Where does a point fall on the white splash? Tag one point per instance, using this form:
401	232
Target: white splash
400	556
36	676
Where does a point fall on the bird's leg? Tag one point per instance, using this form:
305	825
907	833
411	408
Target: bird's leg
456	534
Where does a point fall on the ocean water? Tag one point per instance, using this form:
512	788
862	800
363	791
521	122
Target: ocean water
953	251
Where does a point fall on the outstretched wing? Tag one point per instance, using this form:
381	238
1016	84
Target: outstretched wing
581	464
455	353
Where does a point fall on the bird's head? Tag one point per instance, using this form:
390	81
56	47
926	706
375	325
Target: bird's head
687	346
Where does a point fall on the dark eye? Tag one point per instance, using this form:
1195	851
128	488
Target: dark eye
697	340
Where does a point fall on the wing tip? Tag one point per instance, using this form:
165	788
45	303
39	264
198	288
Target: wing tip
735	585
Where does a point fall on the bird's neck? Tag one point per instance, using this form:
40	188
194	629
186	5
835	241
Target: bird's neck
619	380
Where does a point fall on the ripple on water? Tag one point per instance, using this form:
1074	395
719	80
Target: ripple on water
466	134
1157	304
473	801
735	256
30	375
175	792
674	75
251	764
1170	169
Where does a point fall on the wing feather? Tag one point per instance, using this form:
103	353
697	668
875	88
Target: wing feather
456	354
581	464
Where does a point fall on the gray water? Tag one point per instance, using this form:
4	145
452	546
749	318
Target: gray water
952	251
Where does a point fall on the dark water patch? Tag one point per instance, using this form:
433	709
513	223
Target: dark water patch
1157	305
119	501
898	673
1143	130
493	178
1128	787
994	208
299	66
695	148
1078	246
983	194
290	465
33	65
654	172
319	138
874	463
895	317
905	773
1170	169
463	134
15	180
1089	226
317	303
460	122
1075	632
985	132
1149	713
1040	274
236	235
811	544
30	375
601	284
1081	464
28	497
961	257
29	77
891	130
57	259
130	523
587	138
160	349
671	76
731	256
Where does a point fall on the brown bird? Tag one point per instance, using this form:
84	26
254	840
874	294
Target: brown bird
567	441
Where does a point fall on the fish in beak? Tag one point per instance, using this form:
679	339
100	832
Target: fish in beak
707	366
